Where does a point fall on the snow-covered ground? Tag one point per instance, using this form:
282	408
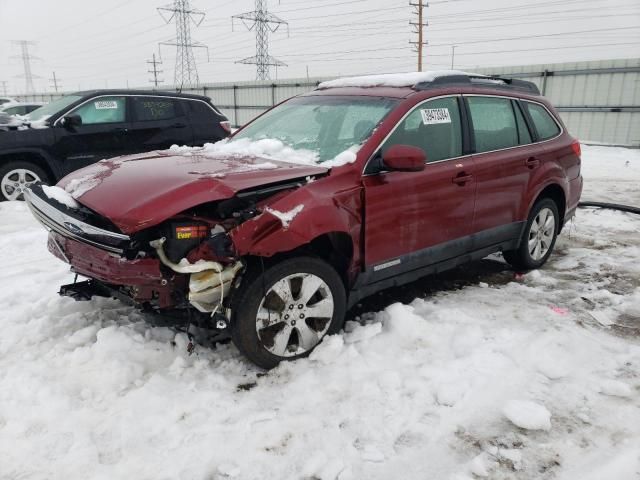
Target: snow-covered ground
531	379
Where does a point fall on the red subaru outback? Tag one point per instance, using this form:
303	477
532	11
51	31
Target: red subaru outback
360	185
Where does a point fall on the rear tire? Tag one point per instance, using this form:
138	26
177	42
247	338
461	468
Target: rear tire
284	312
538	238
15	177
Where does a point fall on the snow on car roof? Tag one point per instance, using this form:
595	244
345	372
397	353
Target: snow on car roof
408	79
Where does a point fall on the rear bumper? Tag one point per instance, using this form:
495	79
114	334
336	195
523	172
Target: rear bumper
575	191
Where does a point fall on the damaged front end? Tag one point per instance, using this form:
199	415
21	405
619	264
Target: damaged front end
183	269
149	269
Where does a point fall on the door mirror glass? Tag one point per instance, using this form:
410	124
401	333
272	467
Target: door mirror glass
72	121
404	158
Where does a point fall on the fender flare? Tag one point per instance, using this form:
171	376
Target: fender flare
50	163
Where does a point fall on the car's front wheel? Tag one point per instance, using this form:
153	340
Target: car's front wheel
538	238
16	177
284	312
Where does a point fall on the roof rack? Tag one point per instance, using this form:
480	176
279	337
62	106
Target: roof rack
483	80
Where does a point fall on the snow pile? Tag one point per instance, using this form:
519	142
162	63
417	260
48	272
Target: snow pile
285	217
415	390
344	158
77	187
183	149
263	166
269	148
408	79
60	195
528	415
603	167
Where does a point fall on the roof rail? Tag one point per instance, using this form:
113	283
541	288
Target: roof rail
484	80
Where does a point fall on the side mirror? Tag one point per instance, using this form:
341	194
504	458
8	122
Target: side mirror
71	121
404	158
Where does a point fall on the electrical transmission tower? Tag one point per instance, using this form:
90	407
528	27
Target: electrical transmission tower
155	70
4	87
263	22
26	58
420	27
186	72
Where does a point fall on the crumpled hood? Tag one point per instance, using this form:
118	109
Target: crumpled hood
139	191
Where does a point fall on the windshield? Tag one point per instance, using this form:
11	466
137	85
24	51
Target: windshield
51	108
323	124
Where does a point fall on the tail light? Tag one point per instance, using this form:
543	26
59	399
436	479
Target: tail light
226	126
575	146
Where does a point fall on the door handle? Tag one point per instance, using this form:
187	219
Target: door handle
178	125
120	130
462	178
532	162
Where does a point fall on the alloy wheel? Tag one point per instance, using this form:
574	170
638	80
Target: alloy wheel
541	234
16	181
294	314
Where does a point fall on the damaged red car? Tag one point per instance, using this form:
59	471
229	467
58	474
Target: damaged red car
362	184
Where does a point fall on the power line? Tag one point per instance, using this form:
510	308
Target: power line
186	72
263	23
54	81
155	70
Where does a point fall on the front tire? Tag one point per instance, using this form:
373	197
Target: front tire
16	177
538	238
284	312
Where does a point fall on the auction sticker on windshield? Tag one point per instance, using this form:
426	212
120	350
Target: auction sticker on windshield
432	116
106	105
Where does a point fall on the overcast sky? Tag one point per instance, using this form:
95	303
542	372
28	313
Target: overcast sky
105	43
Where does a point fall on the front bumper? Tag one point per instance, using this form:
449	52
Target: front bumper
67	225
105	266
140	279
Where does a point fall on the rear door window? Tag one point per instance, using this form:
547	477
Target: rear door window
494	123
434	126
154	108
542	120
103	110
199	109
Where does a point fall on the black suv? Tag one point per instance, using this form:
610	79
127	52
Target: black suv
82	128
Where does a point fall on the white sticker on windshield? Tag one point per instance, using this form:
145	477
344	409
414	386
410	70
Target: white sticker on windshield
106	105
432	116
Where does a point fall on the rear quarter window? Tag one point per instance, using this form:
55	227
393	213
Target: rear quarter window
199	109
543	121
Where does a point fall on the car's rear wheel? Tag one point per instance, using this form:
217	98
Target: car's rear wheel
538	238
16	177
284	312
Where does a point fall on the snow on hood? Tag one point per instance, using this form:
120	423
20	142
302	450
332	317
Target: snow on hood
408	79
267	148
58	194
